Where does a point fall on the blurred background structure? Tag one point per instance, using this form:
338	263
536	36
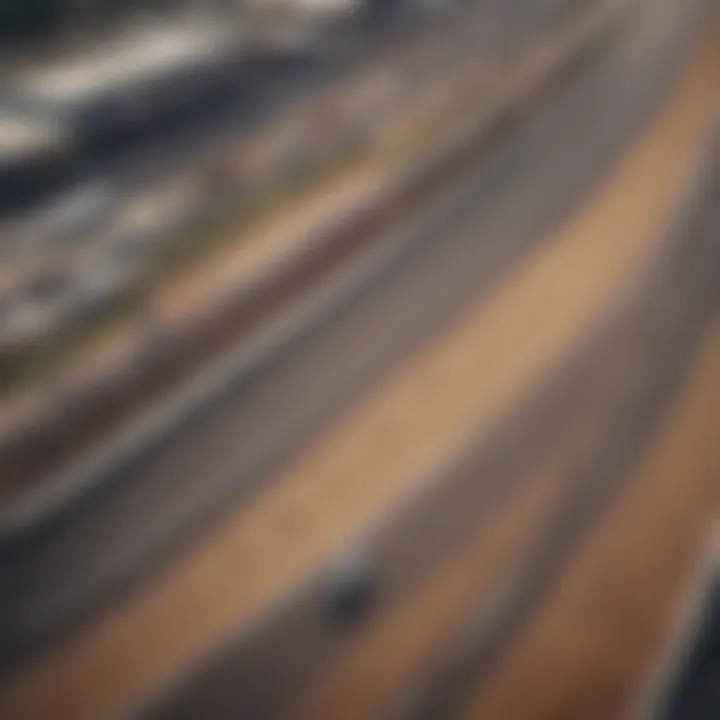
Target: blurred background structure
359	358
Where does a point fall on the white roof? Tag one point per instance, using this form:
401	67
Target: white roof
144	53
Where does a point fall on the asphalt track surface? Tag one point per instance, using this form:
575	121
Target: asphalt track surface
617	387
478	228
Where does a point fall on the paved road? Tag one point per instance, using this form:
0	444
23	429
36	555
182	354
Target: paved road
693	693
266	675
665	334
614	393
458	246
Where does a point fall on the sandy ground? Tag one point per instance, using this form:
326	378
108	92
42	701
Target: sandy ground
373	461
389	655
589	648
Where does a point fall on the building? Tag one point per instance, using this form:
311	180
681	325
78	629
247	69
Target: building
147	73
